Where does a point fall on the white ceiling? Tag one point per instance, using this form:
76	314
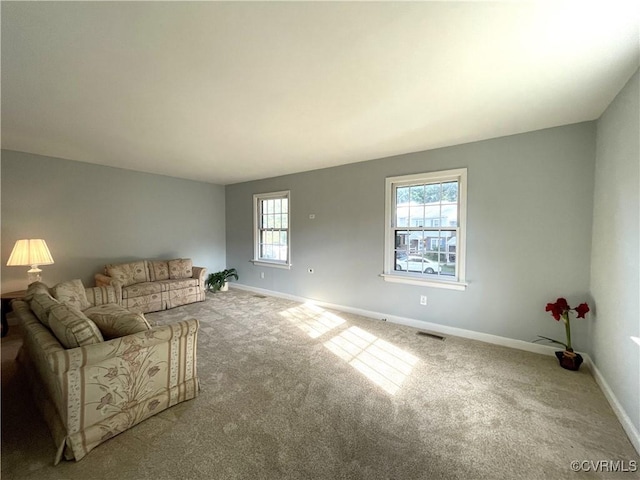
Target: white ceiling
229	92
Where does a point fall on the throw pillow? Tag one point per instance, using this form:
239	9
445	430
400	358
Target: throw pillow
129	273
72	293
158	271
40	304
180	268
72	328
114	321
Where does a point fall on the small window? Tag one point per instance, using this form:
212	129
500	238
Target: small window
425	229
271	229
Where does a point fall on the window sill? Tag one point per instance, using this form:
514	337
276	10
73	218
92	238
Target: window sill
426	282
265	263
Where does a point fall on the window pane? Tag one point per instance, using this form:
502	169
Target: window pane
285	205
416	194
285	220
432	193
402	195
419	242
448	252
272	254
430	266
416	216
401	254
402	216
449	215
402	240
282	245
450	192
432	213
432	242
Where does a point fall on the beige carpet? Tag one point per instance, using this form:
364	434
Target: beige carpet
292	391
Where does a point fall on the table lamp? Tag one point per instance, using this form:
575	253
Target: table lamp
31	252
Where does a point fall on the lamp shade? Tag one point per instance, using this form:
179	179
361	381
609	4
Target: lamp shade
30	252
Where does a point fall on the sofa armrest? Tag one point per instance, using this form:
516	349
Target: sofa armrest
104	295
199	273
123	348
107	281
103	280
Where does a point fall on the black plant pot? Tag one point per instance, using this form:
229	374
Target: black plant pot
569	360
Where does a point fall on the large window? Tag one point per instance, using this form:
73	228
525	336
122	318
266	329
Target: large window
425	229
271	229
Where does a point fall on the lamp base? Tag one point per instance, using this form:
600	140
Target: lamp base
34	275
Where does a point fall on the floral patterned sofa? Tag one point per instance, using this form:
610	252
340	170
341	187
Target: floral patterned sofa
97	369
153	285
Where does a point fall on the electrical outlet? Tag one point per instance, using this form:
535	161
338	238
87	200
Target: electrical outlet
423	299
262	275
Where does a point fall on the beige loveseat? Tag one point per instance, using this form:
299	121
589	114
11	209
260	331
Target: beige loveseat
90	382
153	285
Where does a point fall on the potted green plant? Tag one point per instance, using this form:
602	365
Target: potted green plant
560	310
218	280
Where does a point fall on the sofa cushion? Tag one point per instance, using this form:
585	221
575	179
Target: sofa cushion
115	321
179	284
72	328
129	273
180	268
141	289
146	303
158	270
40	304
71	293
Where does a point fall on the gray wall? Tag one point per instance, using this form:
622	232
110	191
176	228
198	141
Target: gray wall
90	215
528	242
615	261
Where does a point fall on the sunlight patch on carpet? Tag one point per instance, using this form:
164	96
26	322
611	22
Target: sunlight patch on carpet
381	362
313	320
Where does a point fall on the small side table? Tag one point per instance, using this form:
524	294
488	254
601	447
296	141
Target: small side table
6	307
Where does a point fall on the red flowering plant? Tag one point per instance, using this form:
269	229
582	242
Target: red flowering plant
560	310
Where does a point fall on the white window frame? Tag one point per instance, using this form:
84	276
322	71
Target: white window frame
257	216
458	282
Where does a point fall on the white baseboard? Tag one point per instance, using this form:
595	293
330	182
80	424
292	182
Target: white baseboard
627	424
624	419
